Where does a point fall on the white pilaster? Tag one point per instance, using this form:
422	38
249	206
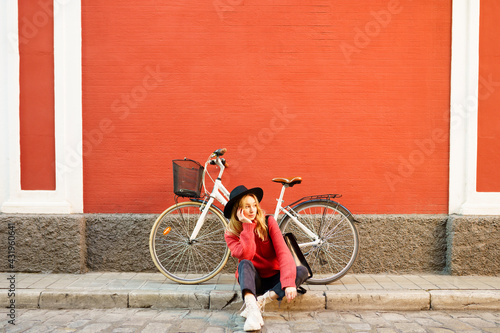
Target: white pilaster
68	196
463	197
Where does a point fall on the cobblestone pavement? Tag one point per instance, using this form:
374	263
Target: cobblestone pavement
205	321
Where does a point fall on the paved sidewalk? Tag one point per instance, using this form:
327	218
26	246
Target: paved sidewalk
98	290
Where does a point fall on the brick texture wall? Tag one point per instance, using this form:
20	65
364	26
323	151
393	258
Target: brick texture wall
351	95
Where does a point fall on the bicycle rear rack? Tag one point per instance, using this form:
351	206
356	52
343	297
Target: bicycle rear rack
316	197
323	197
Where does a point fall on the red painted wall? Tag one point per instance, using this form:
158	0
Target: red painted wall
351	95
36	100
488	145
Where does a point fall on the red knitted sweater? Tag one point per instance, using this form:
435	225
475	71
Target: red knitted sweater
269	257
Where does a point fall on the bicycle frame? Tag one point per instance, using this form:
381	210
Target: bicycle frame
219	193
286	211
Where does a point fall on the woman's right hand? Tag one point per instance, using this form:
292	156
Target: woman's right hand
241	217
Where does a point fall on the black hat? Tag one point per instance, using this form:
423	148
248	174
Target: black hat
238	193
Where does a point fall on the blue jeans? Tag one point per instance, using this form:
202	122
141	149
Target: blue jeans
250	280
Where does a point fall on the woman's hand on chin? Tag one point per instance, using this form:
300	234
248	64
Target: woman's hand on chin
241	217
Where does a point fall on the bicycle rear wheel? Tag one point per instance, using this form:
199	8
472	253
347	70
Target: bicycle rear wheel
339	243
176	256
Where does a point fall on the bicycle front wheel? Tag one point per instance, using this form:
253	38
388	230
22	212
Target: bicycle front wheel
181	259
337	249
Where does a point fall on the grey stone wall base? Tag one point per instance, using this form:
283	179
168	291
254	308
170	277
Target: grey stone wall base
473	245
119	242
393	244
399	244
45	243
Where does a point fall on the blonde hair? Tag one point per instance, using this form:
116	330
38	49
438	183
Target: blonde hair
236	227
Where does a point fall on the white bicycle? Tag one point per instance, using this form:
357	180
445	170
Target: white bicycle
187	240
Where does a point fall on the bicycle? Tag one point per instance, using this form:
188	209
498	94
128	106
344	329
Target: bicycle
187	240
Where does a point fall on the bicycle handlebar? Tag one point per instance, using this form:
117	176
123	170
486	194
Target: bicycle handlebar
215	159
218	153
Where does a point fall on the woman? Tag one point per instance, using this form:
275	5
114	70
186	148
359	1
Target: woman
266	269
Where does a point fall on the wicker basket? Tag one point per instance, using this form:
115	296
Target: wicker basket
187	178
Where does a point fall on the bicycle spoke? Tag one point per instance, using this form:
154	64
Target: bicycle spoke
182	259
178	260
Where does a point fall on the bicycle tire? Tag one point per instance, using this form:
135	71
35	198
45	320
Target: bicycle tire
184	261
339	242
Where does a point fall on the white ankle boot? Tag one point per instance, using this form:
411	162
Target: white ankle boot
254	320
